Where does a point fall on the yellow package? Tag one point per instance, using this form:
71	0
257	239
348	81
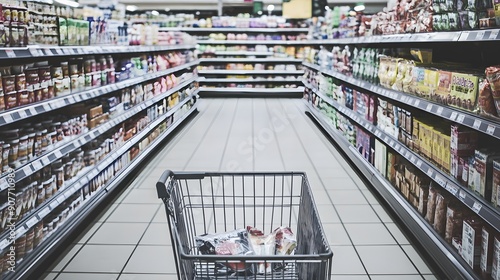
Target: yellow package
446	152
431	81
444	87
383	69
464	91
408	77
392	71
418	86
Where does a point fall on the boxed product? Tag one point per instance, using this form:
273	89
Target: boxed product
487	237
495	193
431	79
446	152
381	157
391	167
483	164
464	90
363	144
444	87
495	263
423	197
471	242
463	141
454	222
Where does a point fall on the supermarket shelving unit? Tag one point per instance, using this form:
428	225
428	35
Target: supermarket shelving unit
172	118
216	82
442	253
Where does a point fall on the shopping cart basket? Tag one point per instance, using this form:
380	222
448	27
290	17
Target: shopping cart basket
197	203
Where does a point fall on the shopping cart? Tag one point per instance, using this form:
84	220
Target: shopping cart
198	203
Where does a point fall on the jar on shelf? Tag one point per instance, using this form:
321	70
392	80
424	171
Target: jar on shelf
37	148
47	186
30	236
2	100
68	171
31	145
38	234
23	149
20	247
45	141
13	152
59	173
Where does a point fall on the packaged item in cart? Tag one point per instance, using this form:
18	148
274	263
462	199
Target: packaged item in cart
262	245
285	241
229	244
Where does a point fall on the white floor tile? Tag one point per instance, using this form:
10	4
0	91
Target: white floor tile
327	214
144	196
100	258
151	259
385	260
351	197
396	277
338	183
398	234
336	234
118	233
157	234
346	261
350	277
370	197
369	234
417	260
134	213
143	276
86	276
384	216
66	257
87	233
430	277
357	214
49	276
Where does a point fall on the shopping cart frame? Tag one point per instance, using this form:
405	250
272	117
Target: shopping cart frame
316	262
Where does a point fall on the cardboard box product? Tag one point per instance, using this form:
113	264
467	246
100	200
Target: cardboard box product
495	263
487	239
431	204
431	81
463	141
381	157
440	214
495	193
444	86
483	164
471	242
446	153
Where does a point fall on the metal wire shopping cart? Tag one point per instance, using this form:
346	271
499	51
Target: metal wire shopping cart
197	203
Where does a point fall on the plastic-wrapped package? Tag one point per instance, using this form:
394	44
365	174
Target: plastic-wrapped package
431	204
262	245
454	222
228	244
493	77
487	105
440	214
285	241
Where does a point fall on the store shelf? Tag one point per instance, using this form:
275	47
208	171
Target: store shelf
433	37
55	51
28	265
245	80
28	222
235	30
83	139
476	122
20	113
442	253
476	203
251	92
244	53
250	60
252	42
251	72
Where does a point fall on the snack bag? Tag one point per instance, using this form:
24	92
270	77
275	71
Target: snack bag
493	77
285	241
262	245
487	105
229	244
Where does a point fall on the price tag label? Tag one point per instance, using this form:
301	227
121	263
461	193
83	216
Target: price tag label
477	124
476	207
493	34
461	195
440	180
54	204
32	222
480	35
10	53
48	52
430	172
453	116
37	165
4	243
490	130
61	198
45	211
451	189
27	170
58	153
417	102
8	118
460	118
440	110
20	231
45	160
23	114
34	52
46	107
429	107
464	36
59	51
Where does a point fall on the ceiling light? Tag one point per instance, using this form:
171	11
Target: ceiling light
68	3
259	13
270	7
352	13
155	13
327	8
167	9
131	8
359	8
198	13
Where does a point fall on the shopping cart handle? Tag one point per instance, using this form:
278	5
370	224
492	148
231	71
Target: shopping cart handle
160	185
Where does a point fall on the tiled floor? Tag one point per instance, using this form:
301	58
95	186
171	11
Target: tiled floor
131	240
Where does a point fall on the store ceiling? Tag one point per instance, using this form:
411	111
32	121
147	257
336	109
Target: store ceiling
372	6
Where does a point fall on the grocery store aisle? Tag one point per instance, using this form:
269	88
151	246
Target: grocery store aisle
130	240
